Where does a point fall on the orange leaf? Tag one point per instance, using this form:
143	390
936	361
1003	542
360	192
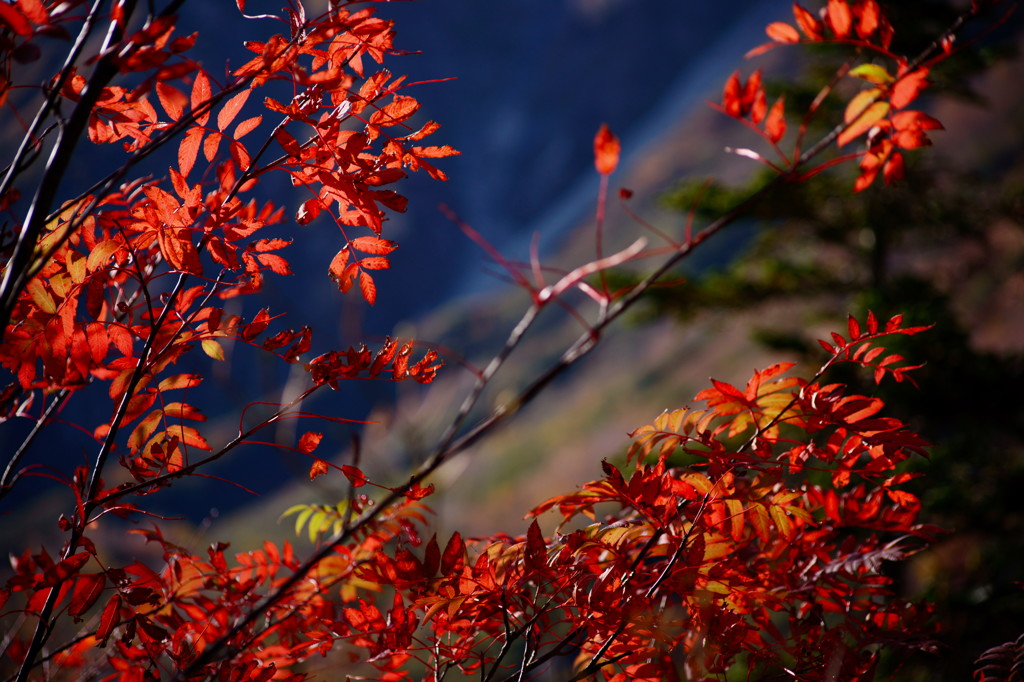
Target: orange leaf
860	102
868	18
782	32
606	150
319	468
863	119
839	18
909	129
908	87
309	442
35	10
809	24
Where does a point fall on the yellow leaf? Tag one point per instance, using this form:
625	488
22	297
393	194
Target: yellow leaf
213	349
862	115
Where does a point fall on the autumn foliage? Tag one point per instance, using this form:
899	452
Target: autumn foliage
748	533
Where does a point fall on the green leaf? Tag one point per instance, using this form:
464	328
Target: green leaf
873	73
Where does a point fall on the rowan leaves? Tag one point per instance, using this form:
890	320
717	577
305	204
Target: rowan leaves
750	533
872	113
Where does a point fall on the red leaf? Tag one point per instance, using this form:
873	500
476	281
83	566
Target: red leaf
12	16
338	265
732	100
431	558
264	245
909	132
375	263
210	146
35	10
258	325
893	170
247	126
200	95
394	113
354	475
60	572
428	128
110	618
435	152
454	555
319	468
902	498
179	251
231	108
606	150
288	142
385	355
373	245
277	264
309	442
853	327
367	287
418	492
240	155
171	99
775	124
728	389
754	100
536	548
188	150
308	211
88	589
